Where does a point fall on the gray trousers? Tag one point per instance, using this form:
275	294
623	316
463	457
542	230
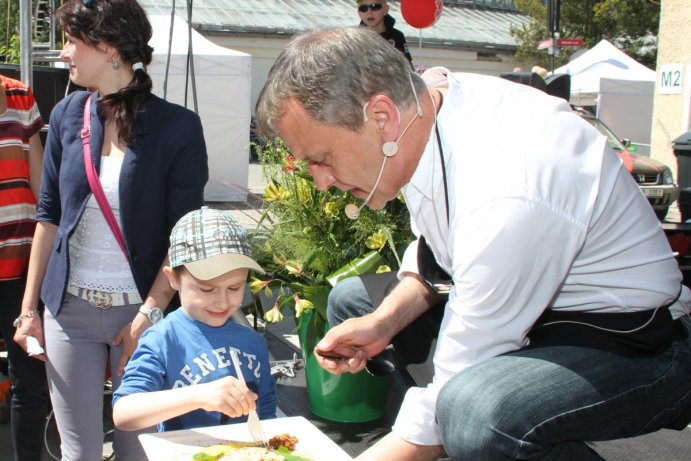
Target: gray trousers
78	344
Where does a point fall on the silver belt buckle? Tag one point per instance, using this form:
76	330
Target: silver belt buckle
99	299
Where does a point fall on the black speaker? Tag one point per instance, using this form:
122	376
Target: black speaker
559	85
526	78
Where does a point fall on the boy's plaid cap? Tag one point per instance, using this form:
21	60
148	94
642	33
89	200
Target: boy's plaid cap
210	243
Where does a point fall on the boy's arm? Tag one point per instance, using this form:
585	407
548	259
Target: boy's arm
145	409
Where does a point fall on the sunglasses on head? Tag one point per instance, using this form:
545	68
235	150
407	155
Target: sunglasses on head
370	6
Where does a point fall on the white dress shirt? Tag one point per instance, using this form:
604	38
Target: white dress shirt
542	216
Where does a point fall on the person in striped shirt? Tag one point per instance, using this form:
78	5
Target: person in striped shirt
21	154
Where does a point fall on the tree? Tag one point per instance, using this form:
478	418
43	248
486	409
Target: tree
632	25
9	28
9	31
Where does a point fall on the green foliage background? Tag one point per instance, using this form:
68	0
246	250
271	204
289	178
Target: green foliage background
9	30
304	236
632	25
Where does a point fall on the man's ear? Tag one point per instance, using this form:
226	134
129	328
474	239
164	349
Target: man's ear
172	277
385	114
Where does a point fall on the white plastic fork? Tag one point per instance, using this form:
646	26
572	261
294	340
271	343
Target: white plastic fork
253	423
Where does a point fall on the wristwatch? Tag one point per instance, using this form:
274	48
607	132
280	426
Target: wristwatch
153	314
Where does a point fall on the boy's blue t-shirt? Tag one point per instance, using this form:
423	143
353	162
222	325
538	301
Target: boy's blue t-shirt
180	351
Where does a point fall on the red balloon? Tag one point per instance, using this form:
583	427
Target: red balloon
421	13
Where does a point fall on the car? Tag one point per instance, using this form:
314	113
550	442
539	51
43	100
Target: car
654	178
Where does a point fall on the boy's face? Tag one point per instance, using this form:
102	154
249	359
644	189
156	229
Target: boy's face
370	17
209	301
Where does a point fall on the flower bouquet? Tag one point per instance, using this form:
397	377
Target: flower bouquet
306	244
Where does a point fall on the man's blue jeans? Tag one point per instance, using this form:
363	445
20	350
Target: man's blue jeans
543	403
347	299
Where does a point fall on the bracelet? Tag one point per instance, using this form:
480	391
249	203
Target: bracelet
27	315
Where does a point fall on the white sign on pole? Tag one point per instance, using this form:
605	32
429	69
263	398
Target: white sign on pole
670	77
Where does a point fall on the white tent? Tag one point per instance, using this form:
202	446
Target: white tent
223	98
626	106
620	87
604	60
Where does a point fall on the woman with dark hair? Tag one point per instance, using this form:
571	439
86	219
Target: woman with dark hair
97	265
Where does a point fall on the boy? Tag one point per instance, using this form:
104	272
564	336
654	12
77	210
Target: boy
375	14
181	376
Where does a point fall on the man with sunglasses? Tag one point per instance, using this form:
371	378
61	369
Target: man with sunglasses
376	16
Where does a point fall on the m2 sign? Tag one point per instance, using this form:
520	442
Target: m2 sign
670	79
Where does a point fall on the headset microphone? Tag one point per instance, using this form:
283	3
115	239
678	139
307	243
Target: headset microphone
351	209
389	149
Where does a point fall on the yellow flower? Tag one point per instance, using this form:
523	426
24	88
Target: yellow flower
376	241
274	315
293	267
275	193
257	285
304	194
383	269
302	306
331	210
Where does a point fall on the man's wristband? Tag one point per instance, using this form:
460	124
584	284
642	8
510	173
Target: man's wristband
26	315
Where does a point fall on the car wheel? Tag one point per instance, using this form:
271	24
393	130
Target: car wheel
661	214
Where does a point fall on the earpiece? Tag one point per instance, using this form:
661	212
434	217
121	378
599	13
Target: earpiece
389	148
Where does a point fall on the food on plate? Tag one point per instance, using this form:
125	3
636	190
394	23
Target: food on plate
283	440
281	448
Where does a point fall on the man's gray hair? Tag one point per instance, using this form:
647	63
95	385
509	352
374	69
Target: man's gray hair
332	73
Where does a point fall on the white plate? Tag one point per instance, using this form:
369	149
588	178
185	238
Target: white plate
181	445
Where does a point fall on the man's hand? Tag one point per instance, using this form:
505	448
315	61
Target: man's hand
394	447
346	347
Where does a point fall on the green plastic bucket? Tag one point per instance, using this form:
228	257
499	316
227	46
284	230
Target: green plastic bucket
348	398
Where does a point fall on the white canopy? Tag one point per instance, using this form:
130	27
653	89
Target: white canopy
604	60
223	97
620	87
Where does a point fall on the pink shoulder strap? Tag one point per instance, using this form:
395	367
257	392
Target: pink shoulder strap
95	183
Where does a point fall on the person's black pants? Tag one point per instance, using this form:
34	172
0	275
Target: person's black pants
29	389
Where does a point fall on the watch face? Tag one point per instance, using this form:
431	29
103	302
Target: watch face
155	315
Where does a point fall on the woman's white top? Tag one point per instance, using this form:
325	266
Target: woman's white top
96	260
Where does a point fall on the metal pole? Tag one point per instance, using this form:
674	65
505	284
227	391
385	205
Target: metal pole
51	24
25	64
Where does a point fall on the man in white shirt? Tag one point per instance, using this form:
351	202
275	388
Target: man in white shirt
563	322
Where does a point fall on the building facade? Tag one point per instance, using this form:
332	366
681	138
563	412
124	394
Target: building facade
470	35
672	102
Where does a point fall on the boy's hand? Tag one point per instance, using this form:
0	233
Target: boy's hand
229	396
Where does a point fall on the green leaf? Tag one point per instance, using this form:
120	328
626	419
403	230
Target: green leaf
283	451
